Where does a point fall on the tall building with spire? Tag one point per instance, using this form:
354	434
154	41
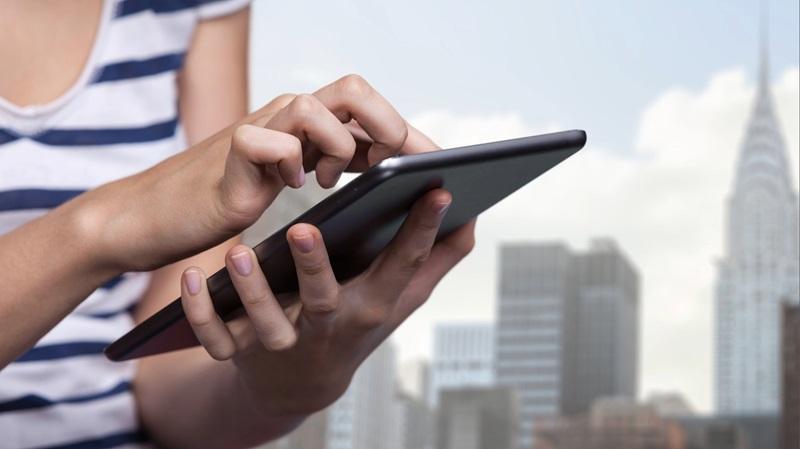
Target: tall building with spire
759	270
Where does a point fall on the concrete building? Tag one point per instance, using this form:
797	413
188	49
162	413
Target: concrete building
612	423
366	416
416	424
758	431
670	405
567	329
759	269
463	356
535	329
477	418
607	342
711	433
790	416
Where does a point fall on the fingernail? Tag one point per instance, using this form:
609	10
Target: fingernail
192	280
304	242
301	177
243	263
441	208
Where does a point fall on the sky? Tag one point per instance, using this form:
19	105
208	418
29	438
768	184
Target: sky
663	90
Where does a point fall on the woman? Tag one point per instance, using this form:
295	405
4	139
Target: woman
103	221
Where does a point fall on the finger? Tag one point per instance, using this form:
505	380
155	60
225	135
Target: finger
417	142
411	247
265	113
209	329
253	149
271	325
445	254
351	97
319	290
309	120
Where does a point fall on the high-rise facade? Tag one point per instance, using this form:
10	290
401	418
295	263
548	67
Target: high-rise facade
463	356
416	423
759	270
607	342
535	329
366	416
567	329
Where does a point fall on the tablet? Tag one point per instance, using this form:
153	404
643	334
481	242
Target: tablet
359	220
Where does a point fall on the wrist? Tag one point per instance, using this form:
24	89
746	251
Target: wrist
78	237
88	220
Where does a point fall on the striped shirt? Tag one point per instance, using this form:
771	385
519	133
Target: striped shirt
119	118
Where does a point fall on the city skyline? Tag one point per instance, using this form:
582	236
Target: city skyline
664	105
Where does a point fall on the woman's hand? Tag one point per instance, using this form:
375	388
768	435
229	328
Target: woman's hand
219	187
295	362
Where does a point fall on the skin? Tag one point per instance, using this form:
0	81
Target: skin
268	369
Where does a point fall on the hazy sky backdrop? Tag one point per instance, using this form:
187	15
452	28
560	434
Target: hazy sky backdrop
663	90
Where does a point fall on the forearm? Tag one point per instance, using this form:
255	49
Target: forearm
189	400
47	267
50	265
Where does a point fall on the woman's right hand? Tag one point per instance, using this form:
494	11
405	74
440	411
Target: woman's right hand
217	188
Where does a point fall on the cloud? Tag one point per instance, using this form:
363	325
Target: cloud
662	200
451	130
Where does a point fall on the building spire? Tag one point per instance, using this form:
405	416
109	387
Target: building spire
763	51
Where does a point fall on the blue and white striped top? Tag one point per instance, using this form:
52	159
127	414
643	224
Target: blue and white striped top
119	118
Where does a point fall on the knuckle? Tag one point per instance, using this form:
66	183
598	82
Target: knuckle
418	260
200	319
465	246
353	85
282	100
257	298
279	341
303	106
220	351
314	268
428	224
291	147
323	306
372	317
241	138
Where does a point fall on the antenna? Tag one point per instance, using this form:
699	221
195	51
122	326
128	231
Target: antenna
763	70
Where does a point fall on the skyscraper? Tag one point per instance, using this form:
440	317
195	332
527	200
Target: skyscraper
463	356
567	331
607	341
416	423
759	269
535	329
366	416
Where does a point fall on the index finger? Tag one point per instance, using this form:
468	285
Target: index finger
351	97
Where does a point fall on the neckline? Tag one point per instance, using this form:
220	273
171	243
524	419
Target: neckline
29	118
